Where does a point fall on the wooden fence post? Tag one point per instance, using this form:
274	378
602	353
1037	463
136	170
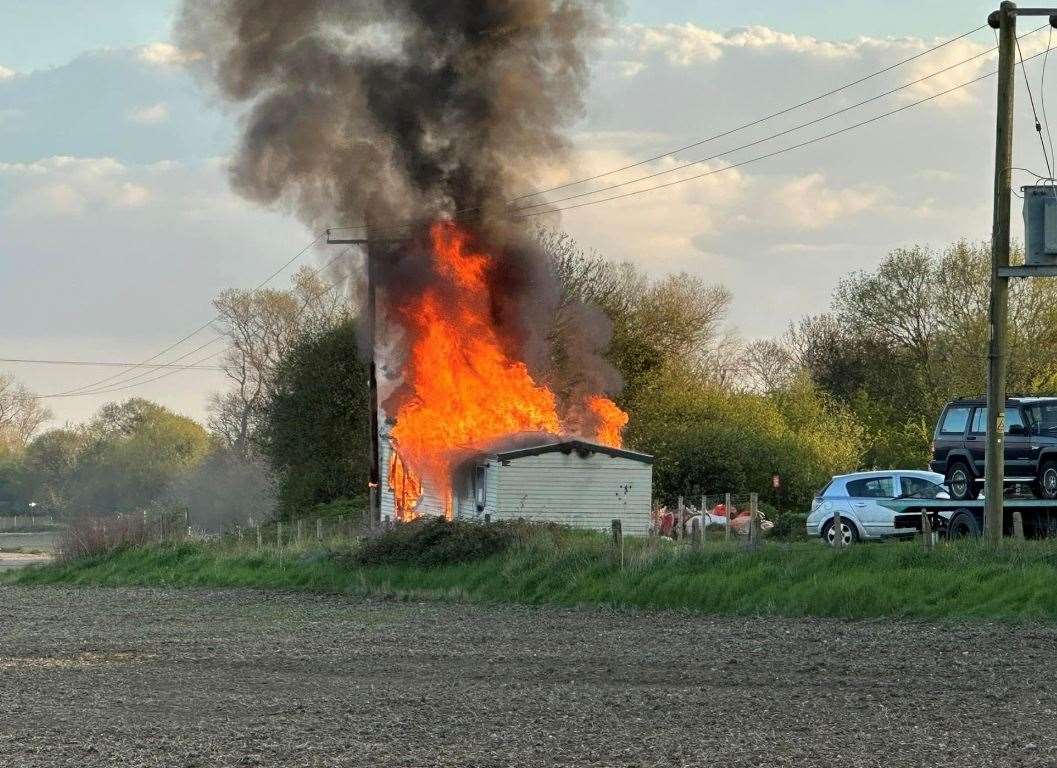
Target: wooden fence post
754	522
279	534
679	520
702	525
299	531
260	540
618	542
838	536
926	531
319	529
1018	525
727	532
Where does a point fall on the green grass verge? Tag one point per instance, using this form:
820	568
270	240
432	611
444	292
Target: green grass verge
1016	582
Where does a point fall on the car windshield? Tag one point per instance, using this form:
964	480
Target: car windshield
919	488
1042	418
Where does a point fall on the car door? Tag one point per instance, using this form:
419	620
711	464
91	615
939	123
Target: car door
864	497
1017	443
976	440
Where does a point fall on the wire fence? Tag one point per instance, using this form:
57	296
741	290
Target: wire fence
16	522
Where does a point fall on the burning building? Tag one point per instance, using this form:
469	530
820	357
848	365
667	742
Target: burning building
425	121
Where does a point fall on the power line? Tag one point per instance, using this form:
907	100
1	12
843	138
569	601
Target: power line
721	135
756	122
1031	100
770	154
1042	90
765	139
189	336
98	363
132	383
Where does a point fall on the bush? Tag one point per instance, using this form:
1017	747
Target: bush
352	509
435	541
90	536
789	526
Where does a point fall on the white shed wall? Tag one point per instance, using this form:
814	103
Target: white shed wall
581	492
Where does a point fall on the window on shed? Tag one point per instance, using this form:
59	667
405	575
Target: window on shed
871	488
480	495
955	420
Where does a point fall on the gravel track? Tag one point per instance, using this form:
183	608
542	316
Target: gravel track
143	677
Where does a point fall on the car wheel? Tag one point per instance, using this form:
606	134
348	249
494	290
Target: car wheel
960	481
963	525
1047	482
849	533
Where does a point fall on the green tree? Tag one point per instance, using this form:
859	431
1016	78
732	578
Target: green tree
708	439
315	431
49	468
134	452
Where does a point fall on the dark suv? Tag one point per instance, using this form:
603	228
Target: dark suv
1030	445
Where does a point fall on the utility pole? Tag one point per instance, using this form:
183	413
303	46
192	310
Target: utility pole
373	248
1005	21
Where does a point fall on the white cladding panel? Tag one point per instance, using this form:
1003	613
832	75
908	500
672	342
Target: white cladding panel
581	492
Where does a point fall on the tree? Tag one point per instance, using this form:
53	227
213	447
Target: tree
903	339
654	327
316	431
708	439
262	325
49	468
134	452
21	413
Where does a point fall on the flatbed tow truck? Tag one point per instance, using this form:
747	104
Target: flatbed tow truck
965	519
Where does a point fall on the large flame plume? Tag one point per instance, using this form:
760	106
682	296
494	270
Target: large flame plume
461	390
400	116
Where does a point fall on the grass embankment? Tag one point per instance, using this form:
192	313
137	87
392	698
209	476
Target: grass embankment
961	581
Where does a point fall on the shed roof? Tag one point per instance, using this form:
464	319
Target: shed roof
568	446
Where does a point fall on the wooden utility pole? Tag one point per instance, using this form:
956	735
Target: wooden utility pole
1005	21
373	246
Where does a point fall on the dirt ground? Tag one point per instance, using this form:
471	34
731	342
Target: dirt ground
18	550
93	677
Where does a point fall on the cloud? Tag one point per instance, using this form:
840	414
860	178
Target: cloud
810	203
151	114
7	74
685	45
167	54
70	186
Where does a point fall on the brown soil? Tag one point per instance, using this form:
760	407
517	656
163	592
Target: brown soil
137	677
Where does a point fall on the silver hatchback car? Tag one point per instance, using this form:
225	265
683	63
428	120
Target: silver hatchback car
858	498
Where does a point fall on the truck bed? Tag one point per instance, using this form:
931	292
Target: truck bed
1039	515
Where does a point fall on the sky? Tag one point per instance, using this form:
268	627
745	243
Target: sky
117	224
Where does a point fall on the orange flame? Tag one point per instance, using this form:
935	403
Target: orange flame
611	420
462	390
406	488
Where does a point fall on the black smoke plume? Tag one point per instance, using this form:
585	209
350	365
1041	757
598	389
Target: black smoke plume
400	112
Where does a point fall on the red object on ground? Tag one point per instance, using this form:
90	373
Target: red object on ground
667	523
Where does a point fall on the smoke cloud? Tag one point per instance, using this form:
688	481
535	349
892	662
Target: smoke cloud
402	112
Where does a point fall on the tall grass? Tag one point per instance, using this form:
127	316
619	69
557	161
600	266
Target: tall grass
965	580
